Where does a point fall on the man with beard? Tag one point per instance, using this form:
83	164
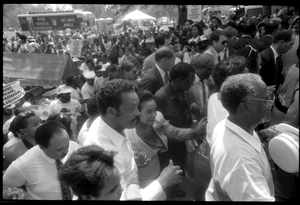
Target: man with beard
118	107
36	169
239	165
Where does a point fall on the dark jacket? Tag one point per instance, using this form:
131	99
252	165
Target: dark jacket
266	41
152	81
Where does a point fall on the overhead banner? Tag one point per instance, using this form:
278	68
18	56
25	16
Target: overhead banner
194	13
12	93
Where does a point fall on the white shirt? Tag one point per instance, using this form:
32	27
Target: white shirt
239	165
103	135
37	172
275	54
83	68
87	91
83	133
56	105
215	113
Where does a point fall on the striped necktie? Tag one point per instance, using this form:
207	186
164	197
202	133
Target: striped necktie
166	78
65	190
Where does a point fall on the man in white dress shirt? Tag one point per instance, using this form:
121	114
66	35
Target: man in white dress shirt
239	165
118	107
36	168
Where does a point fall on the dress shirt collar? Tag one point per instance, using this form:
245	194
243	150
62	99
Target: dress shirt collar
248	36
162	73
112	134
50	160
254	141
275	53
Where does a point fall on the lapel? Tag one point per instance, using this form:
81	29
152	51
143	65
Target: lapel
158	76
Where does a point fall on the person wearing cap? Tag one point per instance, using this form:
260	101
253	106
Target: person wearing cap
88	87
100	81
33	46
215	24
64	100
236	148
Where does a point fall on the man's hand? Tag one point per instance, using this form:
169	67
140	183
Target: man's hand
133	192
170	175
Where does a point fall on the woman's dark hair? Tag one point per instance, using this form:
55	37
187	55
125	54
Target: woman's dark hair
20	122
87	170
227	67
251	55
144	95
200	28
45	132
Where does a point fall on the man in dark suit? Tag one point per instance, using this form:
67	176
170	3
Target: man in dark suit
158	76
160	41
271	63
270	31
247	38
231	34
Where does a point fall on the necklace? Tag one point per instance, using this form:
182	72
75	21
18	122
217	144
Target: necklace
141	131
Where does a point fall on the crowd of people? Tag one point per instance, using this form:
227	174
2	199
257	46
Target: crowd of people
151	107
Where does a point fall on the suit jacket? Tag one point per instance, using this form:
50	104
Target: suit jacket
247	40
149	63
269	72
152	81
212	52
266	41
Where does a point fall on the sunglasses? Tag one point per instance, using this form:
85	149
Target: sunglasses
270	99
223	42
252	49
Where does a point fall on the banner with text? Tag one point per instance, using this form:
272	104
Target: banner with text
12	93
75	47
194	12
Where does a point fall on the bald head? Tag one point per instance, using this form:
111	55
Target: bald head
163	52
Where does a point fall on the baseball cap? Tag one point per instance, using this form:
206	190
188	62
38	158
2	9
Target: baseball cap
217	17
89	74
284	148
63	89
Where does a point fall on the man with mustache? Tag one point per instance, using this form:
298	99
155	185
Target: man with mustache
118	107
36	169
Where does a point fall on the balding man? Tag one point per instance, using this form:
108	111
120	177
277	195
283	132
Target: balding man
158	76
161	40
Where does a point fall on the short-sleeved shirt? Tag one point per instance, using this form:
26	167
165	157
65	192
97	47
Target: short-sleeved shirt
56	105
38	173
239	165
87	91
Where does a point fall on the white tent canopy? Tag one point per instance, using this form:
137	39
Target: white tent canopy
137	15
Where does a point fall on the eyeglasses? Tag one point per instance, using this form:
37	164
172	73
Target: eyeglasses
270	100
252	49
223	42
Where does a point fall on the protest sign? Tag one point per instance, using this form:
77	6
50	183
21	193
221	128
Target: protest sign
75	47
12	93
194	13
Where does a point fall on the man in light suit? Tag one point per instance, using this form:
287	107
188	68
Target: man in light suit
155	78
217	41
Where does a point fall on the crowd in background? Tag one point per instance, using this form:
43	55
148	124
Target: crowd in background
195	62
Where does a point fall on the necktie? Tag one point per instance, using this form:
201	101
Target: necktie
219	58
278	70
65	190
167	78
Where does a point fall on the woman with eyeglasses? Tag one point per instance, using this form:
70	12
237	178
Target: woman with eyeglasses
23	127
253	58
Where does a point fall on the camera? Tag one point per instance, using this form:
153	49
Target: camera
191	45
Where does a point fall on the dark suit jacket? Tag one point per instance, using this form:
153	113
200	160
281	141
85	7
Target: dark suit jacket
152	81
231	50
247	40
266	41
268	70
